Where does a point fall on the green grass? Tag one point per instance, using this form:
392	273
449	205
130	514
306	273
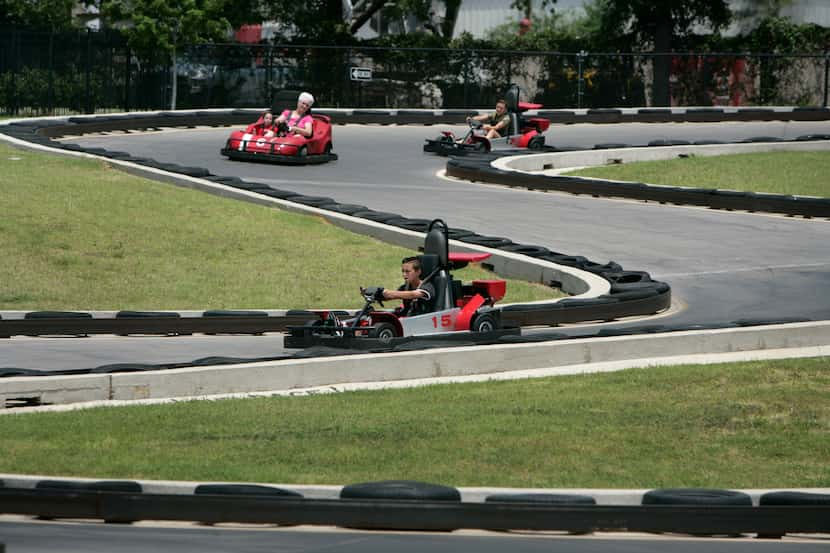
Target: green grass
745	425
78	234
797	173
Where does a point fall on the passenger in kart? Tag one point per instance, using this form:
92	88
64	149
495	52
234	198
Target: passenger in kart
297	121
418	296
265	124
494	123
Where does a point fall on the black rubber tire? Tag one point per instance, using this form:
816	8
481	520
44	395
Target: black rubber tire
696	496
794	498
536	143
400	489
245	489
302	152
384	332
544	498
484	322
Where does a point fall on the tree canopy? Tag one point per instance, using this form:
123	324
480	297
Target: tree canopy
43	14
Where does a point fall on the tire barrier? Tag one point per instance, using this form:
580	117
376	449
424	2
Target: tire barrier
477	168
790	498
413	506
106	486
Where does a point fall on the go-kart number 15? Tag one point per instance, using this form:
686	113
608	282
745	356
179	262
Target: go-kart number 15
446	320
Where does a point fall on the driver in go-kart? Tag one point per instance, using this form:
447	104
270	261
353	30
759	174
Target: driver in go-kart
297	121
418	296
495	122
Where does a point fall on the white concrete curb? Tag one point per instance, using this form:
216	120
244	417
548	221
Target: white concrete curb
521	360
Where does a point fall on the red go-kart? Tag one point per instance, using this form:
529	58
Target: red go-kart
523	132
284	147
459	307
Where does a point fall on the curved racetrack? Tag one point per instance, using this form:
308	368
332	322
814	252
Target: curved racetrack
723	266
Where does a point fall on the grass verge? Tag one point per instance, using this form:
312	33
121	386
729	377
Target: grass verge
796	173
78	234
744	425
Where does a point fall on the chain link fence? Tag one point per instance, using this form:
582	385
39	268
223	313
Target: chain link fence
89	72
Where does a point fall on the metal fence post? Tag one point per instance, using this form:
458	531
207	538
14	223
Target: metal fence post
580	58
127	71
826	72
88	75
15	104
50	99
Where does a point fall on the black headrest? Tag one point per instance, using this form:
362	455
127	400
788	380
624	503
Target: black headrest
436	242
512	98
429	262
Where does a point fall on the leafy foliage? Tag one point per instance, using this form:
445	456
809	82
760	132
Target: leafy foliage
42	14
154	26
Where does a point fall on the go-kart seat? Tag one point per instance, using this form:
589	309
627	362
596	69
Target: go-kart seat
436	275
511	98
436	243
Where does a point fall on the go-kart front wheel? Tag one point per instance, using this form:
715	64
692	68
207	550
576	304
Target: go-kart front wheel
384	332
302	152
536	143
484	322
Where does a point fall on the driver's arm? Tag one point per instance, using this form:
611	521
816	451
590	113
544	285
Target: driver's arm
305	130
405	294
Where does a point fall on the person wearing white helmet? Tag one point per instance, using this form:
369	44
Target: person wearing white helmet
298	121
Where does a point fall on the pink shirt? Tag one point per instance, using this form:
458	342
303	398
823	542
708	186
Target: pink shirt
295	121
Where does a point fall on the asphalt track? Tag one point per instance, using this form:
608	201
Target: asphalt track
723	266
44	537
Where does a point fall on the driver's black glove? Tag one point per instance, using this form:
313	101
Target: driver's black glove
379	294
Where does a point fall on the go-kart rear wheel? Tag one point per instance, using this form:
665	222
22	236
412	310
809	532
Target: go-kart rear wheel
445	139
384	332
484	322
302	152
536	143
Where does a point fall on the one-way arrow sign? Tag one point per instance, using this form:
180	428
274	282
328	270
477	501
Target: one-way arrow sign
360	73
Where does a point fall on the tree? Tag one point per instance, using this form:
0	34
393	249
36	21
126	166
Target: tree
159	26
53	15
661	25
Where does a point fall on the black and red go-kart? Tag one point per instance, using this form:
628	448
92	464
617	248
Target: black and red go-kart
285	147
459	307
523	132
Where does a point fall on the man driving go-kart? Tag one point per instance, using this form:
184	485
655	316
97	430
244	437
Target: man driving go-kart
496	123
506	127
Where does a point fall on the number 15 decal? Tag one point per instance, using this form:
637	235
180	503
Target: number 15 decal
446	320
